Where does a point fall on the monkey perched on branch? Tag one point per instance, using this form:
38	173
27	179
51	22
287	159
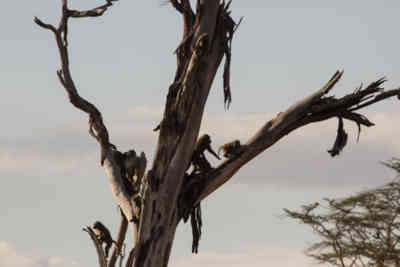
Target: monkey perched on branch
103	236
132	168
125	162
199	161
231	149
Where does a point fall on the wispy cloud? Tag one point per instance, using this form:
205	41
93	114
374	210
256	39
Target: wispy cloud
10	257
255	257
70	150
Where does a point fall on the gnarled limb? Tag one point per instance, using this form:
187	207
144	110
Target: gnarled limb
96	126
99	249
314	108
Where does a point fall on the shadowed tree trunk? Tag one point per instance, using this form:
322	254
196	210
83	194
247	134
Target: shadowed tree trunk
153	206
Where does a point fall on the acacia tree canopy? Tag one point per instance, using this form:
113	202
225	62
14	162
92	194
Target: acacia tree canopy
360	230
180	177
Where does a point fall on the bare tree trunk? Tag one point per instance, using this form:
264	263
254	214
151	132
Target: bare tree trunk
207	39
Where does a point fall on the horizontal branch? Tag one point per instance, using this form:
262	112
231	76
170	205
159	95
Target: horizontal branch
314	108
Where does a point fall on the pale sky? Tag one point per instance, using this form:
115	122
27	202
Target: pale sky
123	62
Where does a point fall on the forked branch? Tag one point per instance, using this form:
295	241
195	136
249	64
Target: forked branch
96	126
97	129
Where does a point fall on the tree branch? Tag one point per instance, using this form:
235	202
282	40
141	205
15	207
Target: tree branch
97	129
96	126
95	12
120	241
184	7
314	108
99	249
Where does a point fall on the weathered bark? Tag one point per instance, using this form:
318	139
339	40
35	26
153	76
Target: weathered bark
178	133
167	195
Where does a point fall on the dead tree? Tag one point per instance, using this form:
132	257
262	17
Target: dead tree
167	193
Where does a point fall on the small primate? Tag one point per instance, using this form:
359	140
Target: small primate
132	168
231	149
103	236
126	162
130	163
199	161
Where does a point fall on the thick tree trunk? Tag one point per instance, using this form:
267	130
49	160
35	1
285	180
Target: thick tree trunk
161	215
178	133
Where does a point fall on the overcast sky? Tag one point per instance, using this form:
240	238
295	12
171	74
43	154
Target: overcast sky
51	183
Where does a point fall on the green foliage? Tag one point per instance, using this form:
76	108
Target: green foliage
360	230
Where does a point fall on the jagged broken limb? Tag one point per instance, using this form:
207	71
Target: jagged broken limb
314	108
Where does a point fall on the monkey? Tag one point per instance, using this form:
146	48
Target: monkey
126	162
103	236
132	168
231	149
130	163
136	167
199	161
